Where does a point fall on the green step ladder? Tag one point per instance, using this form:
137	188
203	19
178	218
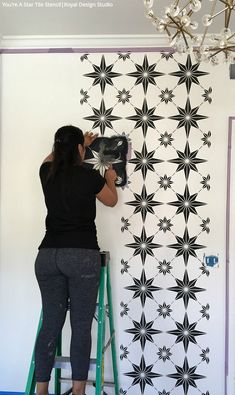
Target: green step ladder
97	363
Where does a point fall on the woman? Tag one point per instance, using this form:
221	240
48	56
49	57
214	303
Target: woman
68	261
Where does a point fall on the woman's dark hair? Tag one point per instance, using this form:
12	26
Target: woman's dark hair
65	149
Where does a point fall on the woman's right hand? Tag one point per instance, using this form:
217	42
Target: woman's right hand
110	174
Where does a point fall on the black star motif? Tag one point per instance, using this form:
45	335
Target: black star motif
164	267
143	245
143	331
186	203
164	353
102	118
144	118
187	160
186	246
144	203
145	74
164	310
186	289
186	332
144	160
102	74
186	376
165	182
188	73
166	95
188	117
164	224
142	374
166	139
143	288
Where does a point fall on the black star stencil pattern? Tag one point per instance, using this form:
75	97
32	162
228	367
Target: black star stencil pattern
186	203
143	288
144	160
186	332
143	331
188	73
186	289
186	246
102	118
102	74
144	203
145	117
186	376
145	74
188	117
142	374
143	245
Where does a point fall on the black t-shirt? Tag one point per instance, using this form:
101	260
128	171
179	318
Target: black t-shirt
71	207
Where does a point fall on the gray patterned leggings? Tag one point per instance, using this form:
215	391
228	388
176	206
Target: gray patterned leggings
62	274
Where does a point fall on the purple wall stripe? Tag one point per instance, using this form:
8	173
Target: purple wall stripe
83	50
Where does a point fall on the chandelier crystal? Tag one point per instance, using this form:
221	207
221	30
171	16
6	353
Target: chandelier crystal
177	20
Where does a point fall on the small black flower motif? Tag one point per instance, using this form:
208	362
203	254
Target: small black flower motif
205	139
207	393
124	352
125	309
142	374
166	95
163	392
205	181
85	96
123	96
166	139
83	57
165	182
205	225
125	267
165	224
204	270
167	55
204	355
206	95
204	311
164	353
124	56
164	267
122	391
125	225
164	310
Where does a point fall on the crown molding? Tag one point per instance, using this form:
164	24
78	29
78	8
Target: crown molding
84	41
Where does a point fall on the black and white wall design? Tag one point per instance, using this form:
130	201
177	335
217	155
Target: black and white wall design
162	104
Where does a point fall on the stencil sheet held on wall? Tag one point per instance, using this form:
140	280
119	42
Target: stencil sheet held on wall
162	105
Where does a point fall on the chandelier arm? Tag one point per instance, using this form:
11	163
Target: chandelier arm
227	17
207	27
231	36
225	2
180	28
186	5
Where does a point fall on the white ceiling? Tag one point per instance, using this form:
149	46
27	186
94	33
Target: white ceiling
117	17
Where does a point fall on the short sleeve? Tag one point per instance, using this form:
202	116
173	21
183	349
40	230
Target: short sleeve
98	182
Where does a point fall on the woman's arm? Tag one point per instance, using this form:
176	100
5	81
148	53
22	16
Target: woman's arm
108	194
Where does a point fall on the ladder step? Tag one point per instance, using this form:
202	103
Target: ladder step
89	382
64	363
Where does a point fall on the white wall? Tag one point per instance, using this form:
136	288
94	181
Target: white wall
39	94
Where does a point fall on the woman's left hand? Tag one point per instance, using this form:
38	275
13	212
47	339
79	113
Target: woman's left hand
89	137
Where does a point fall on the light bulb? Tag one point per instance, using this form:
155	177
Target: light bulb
197	39
195	5
207	20
148	3
185	20
214	60
226	32
194	25
149	14
161	25
222	43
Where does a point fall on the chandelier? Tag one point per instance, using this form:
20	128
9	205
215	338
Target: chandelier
178	22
